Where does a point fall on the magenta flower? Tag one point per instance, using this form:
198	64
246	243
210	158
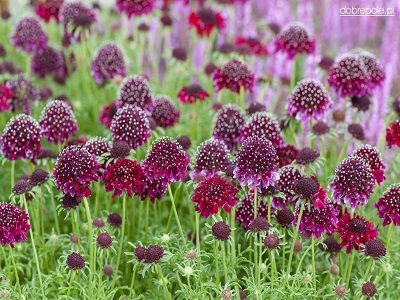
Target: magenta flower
124	175
74	170
154	189
29	35
166	160
135	7
374	69
374	159
393	134
245	211
130	124
233	76
256	163
21	138
97	146
205	20
48	61
388	205
135	90
48	9
108	63
288	176
23	94
165	113
14	224
192	93
57	122
254	45
353	182
286	154
214	193
107	114
5	98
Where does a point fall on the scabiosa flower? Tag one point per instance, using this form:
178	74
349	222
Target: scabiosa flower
330	245
124	175
135	7
317	220
23	94
355	231
356	131
256	163
245	211
104	240
107	114
5	98
388	205
114	219
309	100
13	224
70	202
131	125
179	54
165	113
353	182
320	128
192	93
375	248
48	9
361	103
306	156
97	146
393	134
22	186
154	189
47	61
153	254
205	20
184	141
214	193
212	157
253	44
284	217
286	154
227	125
166	160
374	69
38	177
234	75
120	149
135	90
271	241
368	289
348	76
75	261
58	122
221	231
262	124
20	138
374	159
108	63
29	35
294	39
74	170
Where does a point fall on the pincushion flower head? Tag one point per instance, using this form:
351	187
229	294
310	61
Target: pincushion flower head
393	134
5	98
373	68
97	146
192	93
23	94
14	224
108	63
309	100
124	175
135	7
262	124
349	77
21	138
205	20
48	9
212	158
355	231
74	170
388	205
107	114
374	159
47	61
166	160
154	189
130	124
294	39
288	177
253	44
135	90
234	76
286	154
29	35
165	113
58	122
256	163
214	193
245	211
227	125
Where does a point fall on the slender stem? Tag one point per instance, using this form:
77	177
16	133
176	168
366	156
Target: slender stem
53	204
147	219
166	292
90	242
269	209
350	267
274	273
224	260
12	174
121	240
96	203
255	202
132	281
176	213
371	263
197	233
14	266
216	264
313	263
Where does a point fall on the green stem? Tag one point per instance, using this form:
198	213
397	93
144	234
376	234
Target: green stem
255	202
313	263
350	267
224	260
53	204
12	174
371	263
147	219
216	264
121	240
14	266
197	233
91	249
132	281
166	292
176	213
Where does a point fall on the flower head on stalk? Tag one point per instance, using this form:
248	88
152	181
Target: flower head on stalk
388	205
135	90
107	114
48	9
288	176
23	94
205	20
165	113
5	98
286	154
374	159
393	134
192	93
154	189
234	76
245	211
14	224
253	44
135	7
29	35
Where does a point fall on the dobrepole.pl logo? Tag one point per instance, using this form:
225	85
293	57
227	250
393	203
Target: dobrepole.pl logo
355	11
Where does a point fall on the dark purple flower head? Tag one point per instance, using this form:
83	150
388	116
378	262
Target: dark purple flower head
107	114
294	39
114	219
76	14
22	186
47	61
374	69
184	141
353	183
306	187
166	20
130	124
70	202
166	160
349	77
210	68
255	107
286	154
388	205
45	93
288	177
356	131
98	223
179	54
192	93
375	248
165	113
214	193
212	157
74	170
135	90
285	217
154	189
326	62
124	175
57	122
108	63
368	289
135	7
361	103
38	177
227	125
29	35
245	211
75	261
140	253
153	254
20	138
309	100
264	125
104	240
256	163
3	51
306	156
108	270
120	149
14	224
259	224
234	76
23	94
374	159
97	146
320	128
271	241
221	231
330	245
